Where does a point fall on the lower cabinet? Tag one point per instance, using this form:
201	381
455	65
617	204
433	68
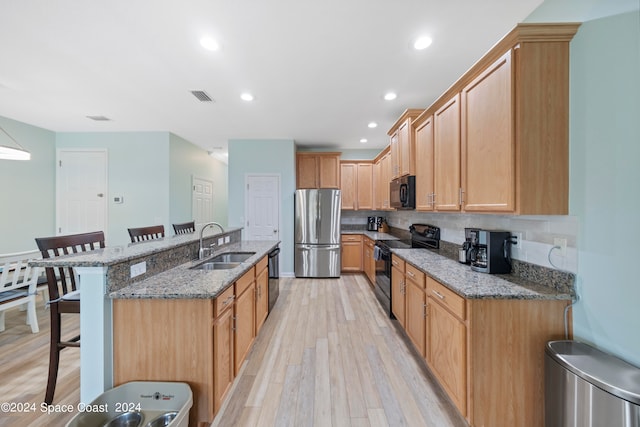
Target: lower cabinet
351	252
398	289
368	261
202	342
416	307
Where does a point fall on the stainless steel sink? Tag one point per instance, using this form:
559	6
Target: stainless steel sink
211	265
232	257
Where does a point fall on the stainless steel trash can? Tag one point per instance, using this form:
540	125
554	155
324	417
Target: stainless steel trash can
585	387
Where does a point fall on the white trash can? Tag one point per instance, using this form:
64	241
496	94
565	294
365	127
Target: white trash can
138	404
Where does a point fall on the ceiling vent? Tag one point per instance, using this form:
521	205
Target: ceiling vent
202	96
99	118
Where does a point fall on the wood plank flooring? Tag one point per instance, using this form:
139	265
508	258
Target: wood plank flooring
328	356
24	366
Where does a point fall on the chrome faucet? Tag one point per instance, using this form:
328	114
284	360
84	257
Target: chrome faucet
202	250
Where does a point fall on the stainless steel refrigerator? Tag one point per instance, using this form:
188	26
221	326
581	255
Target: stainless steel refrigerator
317	233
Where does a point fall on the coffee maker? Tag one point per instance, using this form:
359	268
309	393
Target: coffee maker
491	252
372	223
465	252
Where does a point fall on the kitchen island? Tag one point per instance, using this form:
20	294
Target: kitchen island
154	270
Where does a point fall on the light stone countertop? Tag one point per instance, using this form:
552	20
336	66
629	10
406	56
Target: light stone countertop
372	234
183	283
474	285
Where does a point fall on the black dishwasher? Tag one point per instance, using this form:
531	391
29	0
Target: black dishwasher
274	277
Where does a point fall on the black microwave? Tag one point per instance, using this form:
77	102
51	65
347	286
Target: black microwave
402	192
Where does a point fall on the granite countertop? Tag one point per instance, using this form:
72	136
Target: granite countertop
474	285
183	283
374	235
116	254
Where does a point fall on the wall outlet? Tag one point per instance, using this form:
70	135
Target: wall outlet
138	269
227	239
561	242
220	241
516	238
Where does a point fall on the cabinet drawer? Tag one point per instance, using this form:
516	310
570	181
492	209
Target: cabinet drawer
223	301
352	237
261	265
397	262
368	242
454	302
245	281
415	275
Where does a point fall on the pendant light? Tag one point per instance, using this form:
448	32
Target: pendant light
14	151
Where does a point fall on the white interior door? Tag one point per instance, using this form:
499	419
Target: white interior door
262	207
81	196
202	200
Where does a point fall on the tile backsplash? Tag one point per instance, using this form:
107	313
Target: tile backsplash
538	232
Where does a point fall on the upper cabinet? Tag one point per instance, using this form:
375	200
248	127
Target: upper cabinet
501	132
357	185
381	179
317	170
403	145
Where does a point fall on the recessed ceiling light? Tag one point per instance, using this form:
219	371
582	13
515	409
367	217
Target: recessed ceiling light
363	140
372	125
246	97
422	43
390	96
209	43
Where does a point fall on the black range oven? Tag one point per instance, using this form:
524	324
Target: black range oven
422	236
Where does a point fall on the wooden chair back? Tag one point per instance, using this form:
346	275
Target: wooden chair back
18	285
185	228
65	245
146	233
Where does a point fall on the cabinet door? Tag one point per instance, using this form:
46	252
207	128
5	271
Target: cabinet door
395	156
386	179
398	294
488	150
348	185
364	187
306	171
377	180
351	253
446	141
223	362
262	298
244	315
424	158
369	264
416	315
404	145
447	352
329	171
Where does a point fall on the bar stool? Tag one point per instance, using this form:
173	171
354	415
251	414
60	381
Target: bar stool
185	228
64	296
141	234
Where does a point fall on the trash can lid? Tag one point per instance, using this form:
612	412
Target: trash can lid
603	370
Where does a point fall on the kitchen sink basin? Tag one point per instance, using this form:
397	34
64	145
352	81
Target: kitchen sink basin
231	257
211	265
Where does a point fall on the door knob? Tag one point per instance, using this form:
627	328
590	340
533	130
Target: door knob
100	195
275	230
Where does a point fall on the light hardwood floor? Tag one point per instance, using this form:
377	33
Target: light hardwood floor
24	366
326	356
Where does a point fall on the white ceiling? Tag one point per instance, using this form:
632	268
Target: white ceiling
318	69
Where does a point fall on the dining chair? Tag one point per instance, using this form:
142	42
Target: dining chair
146	233
185	228
64	294
19	286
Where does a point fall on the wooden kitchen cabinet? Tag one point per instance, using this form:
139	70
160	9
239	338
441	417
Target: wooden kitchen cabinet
244	312
223	357
398	289
369	263
416	306
383	180
317	170
447	342
446	154
423	126
402	145
356	183
351	252
262	293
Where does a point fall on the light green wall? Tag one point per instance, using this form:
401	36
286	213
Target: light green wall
264	156
187	161
138	171
28	189
605	149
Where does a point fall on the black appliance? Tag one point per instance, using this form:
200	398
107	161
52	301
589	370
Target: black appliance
274	277
402	192
467	250
491	252
380	220
372	223
422	236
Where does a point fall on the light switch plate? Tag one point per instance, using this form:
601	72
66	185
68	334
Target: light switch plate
220	241
138	269
227	239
